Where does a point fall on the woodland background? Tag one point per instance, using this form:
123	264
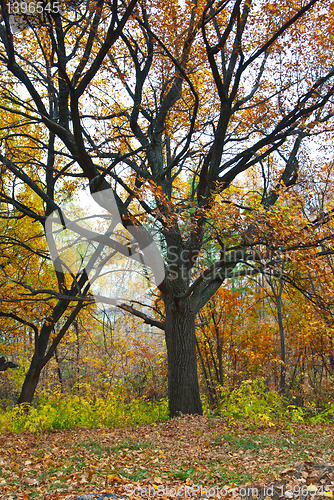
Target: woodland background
220	142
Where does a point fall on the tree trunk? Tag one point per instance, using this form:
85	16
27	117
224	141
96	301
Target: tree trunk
209	384
38	360
183	388
60	376
277	291
29	385
282	342
44	351
331	356
36	365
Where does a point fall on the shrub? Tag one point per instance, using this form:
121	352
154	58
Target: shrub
57	411
251	401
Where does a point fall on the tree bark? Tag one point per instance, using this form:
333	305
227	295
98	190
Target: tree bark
183	387
282	344
29	385
44	351
60	376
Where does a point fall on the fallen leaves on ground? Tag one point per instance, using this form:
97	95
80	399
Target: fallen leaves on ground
165	459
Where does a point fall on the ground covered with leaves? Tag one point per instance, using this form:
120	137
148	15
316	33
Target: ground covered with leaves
189	456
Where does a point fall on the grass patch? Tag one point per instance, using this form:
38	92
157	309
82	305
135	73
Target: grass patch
248	443
101	449
254	442
134	476
93	446
132	445
184	474
240	477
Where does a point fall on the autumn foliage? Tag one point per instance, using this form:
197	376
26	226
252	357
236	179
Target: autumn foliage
203	133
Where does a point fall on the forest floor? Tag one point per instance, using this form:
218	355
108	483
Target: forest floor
175	457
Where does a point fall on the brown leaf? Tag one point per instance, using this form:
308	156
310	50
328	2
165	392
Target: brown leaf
31	481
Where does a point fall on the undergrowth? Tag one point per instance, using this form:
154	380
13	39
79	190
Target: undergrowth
57	411
249	402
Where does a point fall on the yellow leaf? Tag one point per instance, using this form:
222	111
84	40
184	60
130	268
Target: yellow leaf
312	488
